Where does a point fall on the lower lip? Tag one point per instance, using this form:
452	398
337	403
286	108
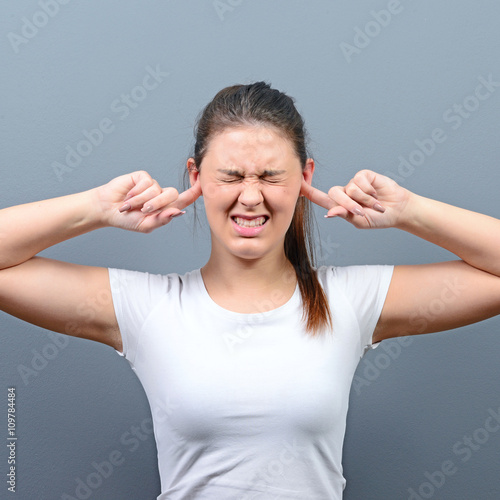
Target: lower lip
248	231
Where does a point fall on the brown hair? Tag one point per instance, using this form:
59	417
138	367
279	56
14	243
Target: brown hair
259	104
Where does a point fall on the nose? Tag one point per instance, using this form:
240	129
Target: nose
250	194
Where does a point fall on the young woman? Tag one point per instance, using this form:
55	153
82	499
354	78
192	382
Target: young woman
247	363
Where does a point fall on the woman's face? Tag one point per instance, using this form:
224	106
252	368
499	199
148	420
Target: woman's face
251	179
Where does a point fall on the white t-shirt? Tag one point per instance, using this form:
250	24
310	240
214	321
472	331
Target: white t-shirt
246	406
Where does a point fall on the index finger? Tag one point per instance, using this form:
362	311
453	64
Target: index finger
188	197
317	196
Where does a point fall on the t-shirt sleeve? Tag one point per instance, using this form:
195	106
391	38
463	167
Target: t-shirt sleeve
135	294
365	288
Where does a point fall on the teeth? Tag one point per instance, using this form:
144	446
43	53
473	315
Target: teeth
250	222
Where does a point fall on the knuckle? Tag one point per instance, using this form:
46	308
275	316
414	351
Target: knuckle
333	191
351	189
171	192
143	174
156	189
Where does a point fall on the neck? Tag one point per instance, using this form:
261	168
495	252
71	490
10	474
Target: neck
248	277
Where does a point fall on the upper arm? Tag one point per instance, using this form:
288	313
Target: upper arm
435	297
62	297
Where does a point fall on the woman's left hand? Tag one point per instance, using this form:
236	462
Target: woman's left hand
369	200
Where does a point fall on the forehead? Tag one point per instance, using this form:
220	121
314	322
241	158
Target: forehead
250	148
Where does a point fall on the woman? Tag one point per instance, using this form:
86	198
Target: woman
247	362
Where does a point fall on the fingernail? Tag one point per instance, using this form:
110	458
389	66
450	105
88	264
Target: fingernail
124	207
357	211
329	216
178	214
147	209
378	207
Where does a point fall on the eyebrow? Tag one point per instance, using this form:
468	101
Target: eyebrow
266	172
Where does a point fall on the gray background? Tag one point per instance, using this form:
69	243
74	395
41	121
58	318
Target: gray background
81	401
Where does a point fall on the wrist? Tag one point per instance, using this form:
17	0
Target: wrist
410	217
93	214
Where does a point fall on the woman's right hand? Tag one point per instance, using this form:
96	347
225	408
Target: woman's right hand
136	202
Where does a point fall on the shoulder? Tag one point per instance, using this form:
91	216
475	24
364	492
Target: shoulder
149	283
353	276
357	291
362	286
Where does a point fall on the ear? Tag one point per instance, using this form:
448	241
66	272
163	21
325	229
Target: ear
307	173
194	173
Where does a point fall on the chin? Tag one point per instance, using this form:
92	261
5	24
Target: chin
253	249
248	253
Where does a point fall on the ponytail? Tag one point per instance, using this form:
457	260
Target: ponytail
300	252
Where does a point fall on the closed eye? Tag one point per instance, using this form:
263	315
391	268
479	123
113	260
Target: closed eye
272	176
268	176
233	179
266	179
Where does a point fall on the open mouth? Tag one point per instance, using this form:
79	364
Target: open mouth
255	222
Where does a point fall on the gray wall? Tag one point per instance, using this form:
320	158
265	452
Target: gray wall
365	106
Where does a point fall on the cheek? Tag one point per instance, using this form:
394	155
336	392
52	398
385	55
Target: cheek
214	191
217	198
282	198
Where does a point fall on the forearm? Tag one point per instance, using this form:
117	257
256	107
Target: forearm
472	236
26	230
